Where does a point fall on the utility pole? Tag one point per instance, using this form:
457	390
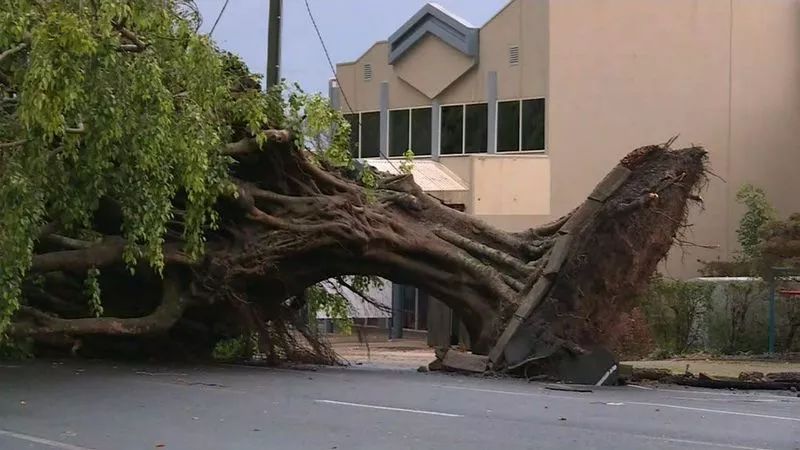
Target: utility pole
274	42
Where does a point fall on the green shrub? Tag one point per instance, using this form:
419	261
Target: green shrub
236	349
737	322
15	349
674	309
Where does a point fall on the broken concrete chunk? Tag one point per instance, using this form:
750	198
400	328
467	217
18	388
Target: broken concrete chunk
466	362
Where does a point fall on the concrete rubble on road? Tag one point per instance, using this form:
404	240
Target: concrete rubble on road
465	362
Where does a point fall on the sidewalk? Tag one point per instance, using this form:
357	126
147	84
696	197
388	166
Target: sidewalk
719	367
399	353
412	353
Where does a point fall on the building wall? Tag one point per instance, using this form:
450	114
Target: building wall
521	200
765	101
721	73
521	22
365	95
518	202
616	75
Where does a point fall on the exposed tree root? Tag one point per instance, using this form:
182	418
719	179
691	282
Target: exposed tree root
294	223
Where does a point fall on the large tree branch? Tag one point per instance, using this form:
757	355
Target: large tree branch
483	252
108	252
363	296
249	145
173	304
12	144
69	243
17	48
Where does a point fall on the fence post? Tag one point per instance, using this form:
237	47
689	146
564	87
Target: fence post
772	293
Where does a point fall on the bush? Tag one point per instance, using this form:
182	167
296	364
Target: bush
15	350
674	310
235	349
737	322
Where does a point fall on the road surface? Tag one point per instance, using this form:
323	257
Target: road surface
86	405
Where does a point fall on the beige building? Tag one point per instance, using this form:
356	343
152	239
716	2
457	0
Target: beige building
518	119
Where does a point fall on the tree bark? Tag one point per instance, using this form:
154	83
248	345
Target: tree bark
295	222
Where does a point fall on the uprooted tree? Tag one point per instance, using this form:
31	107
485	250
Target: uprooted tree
149	187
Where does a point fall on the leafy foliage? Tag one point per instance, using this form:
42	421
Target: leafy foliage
16	350
239	348
407	165
674	308
124	103
758	213
332	303
92	287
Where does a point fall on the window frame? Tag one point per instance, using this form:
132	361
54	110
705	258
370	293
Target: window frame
360	140
389	130
519	138
411	128
463	129
410	110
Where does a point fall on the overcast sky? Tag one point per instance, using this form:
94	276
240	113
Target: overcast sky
349	28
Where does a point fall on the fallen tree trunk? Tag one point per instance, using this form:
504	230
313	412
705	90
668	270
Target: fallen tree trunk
294	223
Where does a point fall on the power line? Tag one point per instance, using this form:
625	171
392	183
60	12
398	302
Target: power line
219	16
336	77
327	55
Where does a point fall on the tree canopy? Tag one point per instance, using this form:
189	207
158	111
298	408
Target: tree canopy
122	102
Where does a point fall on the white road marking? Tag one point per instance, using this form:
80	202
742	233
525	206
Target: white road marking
717	411
38	440
703	443
743	399
389	408
640	387
744	394
661	405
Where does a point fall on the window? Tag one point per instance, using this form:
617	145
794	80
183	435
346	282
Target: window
533	124
521	125
508	126
476	136
352	119
370	134
399	131
464	128
408	128
367	72
513	55
452	130
421	131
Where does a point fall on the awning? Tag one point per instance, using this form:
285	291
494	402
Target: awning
430	175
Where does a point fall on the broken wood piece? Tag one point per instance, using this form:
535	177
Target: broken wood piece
580	217
560	387
751	376
610	183
730	384
784	377
643	373
558	255
531	301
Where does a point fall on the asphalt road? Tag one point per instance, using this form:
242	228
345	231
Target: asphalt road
84	405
